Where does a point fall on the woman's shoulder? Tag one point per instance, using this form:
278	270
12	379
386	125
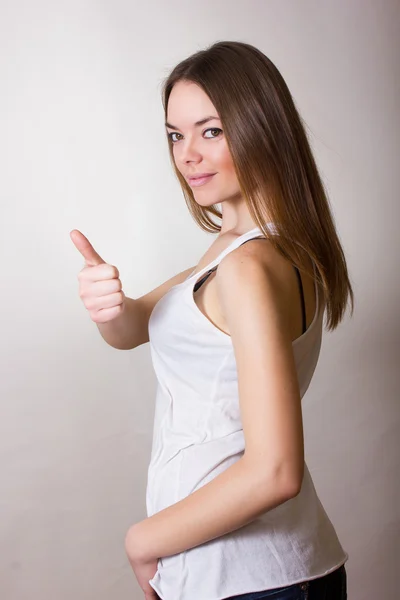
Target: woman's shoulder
258	261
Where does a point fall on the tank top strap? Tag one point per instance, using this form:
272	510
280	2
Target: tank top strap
200	282
253	233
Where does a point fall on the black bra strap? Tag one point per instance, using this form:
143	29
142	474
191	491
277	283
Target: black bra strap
303	307
200	282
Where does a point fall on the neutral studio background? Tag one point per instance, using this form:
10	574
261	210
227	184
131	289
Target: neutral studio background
82	145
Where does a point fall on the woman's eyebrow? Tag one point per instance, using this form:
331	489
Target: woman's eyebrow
197	124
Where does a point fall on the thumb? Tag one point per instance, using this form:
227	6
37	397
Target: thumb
85	248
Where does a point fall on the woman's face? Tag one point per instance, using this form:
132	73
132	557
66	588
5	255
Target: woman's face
200	148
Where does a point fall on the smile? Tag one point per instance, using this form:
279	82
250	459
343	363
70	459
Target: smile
200	181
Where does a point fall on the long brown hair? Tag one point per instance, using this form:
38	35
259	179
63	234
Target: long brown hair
274	164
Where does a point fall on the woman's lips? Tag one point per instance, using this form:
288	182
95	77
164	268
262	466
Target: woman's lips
200	180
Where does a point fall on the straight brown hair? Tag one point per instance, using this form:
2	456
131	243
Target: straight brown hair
274	164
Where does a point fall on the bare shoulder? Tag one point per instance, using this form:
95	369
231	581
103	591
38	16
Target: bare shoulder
258	255
257	275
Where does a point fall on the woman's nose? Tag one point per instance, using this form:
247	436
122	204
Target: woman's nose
189	150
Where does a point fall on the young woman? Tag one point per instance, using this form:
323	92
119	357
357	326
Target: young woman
232	509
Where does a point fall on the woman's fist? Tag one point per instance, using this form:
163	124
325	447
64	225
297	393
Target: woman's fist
99	285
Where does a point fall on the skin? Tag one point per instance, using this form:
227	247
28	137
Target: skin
203	149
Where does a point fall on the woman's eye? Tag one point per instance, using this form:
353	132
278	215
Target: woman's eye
211	137
213	129
171	138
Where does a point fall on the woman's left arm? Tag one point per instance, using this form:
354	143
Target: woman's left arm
255	305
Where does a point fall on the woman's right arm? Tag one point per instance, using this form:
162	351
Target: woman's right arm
123	322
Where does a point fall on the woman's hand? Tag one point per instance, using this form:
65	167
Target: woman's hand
143	572
100	287
144	569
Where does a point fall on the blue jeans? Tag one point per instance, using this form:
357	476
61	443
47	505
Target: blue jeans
329	587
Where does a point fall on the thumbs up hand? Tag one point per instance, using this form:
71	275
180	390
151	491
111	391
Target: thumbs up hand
99	285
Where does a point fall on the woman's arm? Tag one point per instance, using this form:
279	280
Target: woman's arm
256	308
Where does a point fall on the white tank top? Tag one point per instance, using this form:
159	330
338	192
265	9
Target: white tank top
198	434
